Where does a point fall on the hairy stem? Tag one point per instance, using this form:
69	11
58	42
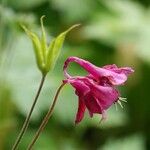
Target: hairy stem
46	118
27	120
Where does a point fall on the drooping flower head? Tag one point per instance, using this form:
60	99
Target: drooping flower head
96	91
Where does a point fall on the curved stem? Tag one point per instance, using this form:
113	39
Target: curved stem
27	120
46	118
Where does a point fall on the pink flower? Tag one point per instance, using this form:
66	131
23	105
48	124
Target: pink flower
96	91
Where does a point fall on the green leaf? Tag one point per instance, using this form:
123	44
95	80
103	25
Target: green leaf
55	47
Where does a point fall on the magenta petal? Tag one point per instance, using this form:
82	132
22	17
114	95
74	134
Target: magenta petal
110	67
85	64
122	70
92	104
90	113
81	89
81	110
115	75
126	70
106	95
80	86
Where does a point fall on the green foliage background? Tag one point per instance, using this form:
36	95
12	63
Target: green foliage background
111	31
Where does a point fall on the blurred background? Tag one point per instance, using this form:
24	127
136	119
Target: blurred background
111	31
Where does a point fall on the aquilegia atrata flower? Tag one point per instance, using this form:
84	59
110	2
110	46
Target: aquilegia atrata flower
96	91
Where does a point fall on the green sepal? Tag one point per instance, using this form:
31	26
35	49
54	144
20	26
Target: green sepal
55	48
46	56
37	47
43	39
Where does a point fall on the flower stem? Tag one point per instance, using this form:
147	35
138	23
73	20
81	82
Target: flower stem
27	120
46	118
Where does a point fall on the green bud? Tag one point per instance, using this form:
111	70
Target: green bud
46	55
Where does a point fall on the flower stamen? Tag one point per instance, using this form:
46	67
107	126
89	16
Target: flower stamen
123	99
120	99
120	103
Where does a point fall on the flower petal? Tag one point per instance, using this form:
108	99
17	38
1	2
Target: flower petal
92	104
80	87
85	64
81	110
124	70
106	95
115	75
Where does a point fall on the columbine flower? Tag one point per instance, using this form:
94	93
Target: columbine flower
96	91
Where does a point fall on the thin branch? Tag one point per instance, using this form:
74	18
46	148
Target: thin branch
46	118
26	123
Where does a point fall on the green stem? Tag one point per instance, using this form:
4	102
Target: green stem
46	118
27	120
